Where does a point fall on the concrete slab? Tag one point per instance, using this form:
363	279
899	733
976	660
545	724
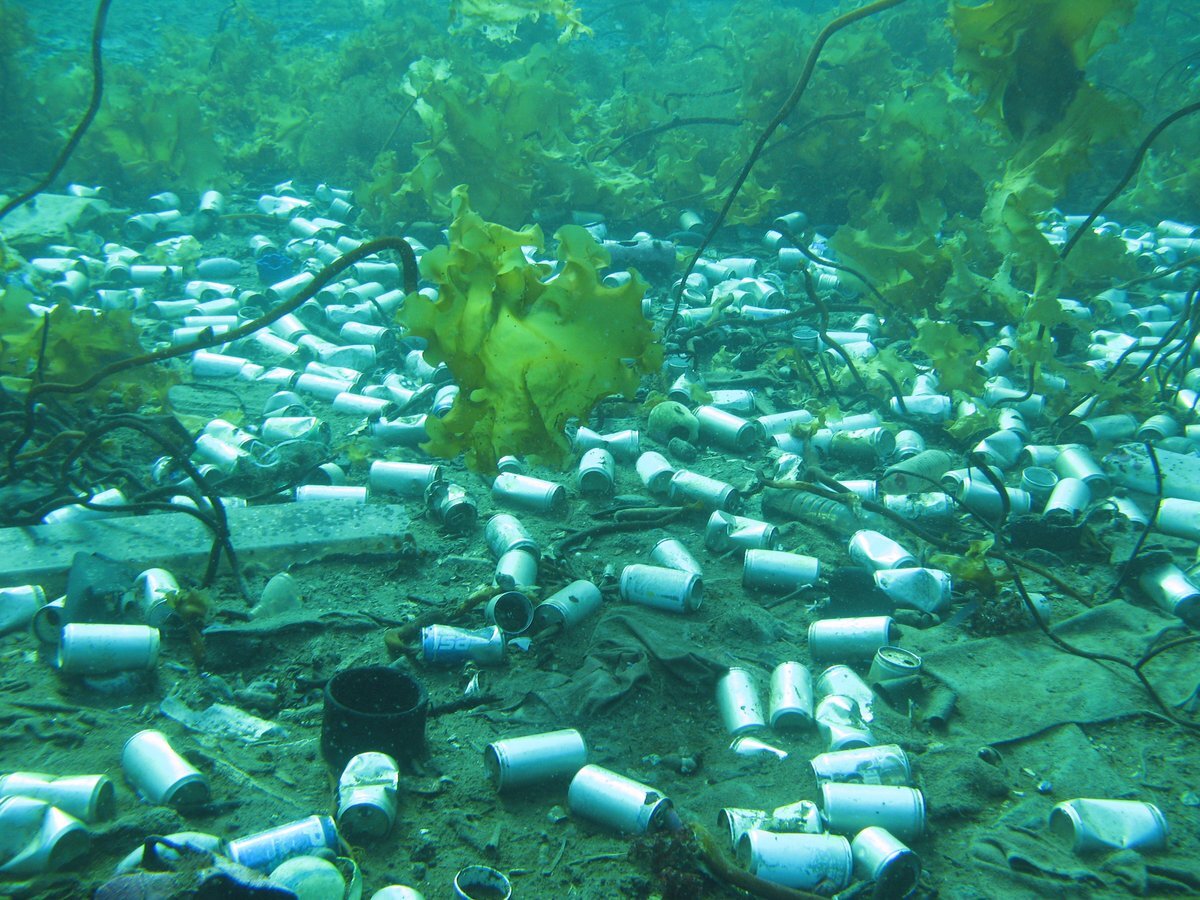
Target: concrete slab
275	536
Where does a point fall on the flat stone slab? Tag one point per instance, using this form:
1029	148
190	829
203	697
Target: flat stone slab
274	536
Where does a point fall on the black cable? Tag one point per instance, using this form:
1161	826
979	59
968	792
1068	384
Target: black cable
84	123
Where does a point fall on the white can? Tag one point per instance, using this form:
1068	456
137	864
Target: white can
812	862
596	473
737	700
89	648
620	803
851	639
567	606
367	795
849	808
661	588
778	570
534	759
881	858
90	798
530	493
791	696
161	776
504	532
38	838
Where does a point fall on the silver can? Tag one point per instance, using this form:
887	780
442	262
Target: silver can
778	570
738	702
38	838
504	532
96	649
1067	501
844	681
726	531
617	802
160	775
850	639
875	551
1088	826
661	588
596	473
927	590
839	720
19	605
510	611
530	493
893	662
516	568
535	759
691	487
655	471
672	554
451	505
368	791
404	479
882	764
89	798
810	862
790	703
849	808
880	857
568	606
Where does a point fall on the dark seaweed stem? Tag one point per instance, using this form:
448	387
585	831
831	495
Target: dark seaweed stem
84	123
789	104
1150	520
1132	170
677	122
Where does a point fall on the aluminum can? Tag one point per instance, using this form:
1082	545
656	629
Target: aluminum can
882	764
451	505
38	838
844	681
810	862
862	445
596	473
530	493
516	568
160	775
511	611
368	791
19	605
840	722
726	531
567	606
927	590
672	554
727	430
854	638
849	808
519	762
908	444
1067	501
778	570
265	850
661	588
1038	482
618	802
405	479
152	592
932	505
1089	826
802	817
981	497
97	649
1172	591
89	798
880	857
346	493
790	701
690	487
1078	462
505	532
876	551
655	471
917	473
737	700
893	662
749	745
446	645
475	882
